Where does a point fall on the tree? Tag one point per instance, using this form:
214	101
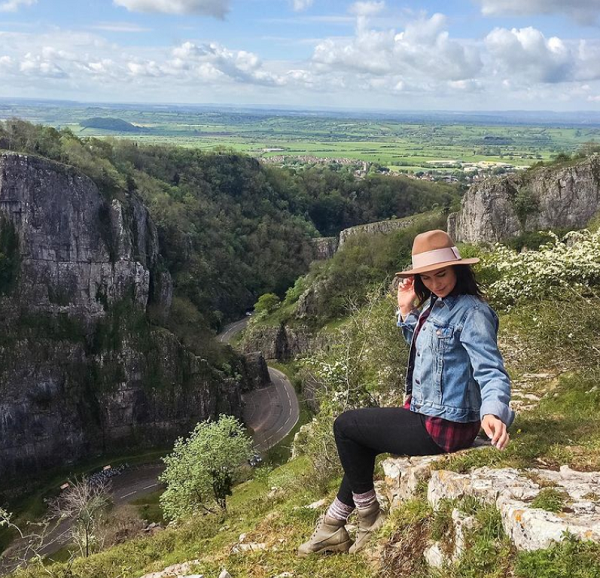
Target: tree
84	505
203	468
28	546
267	303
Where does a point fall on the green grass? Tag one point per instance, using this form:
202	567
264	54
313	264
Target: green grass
550	499
149	509
411	146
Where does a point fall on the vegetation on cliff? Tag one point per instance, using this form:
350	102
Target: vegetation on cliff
230	229
548	349
110	123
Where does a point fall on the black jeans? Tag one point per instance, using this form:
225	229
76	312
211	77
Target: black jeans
362	434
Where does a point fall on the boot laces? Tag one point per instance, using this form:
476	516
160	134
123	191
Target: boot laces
318	526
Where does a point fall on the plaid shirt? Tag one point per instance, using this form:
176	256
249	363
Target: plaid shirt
448	435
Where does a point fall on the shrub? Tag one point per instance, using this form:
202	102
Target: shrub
562	268
202	469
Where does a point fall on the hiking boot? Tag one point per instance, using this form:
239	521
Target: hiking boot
329	536
370	519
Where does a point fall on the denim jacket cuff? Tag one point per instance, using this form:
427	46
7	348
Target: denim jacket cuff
499	409
409	320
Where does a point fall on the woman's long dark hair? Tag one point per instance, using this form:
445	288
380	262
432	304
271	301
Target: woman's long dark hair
466	284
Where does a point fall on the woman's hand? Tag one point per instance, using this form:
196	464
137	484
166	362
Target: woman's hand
406	295
495	430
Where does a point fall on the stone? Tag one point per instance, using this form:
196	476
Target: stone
462	524
404	474
378	228
512	491
76	385
434	556
317	505
249	547
224	574
325	247
565	197
176	571
281	343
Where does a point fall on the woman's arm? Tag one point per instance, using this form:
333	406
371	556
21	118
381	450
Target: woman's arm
407	314
479	338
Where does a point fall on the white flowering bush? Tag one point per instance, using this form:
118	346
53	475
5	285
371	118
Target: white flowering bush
561	269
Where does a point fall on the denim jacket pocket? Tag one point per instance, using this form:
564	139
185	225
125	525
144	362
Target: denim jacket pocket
441	337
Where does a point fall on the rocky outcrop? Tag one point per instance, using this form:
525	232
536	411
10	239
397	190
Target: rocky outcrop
511	491
325	247
279	342
79	253
84	366
381	227
545	198
255	370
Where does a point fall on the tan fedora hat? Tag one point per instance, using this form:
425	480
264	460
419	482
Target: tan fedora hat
434	250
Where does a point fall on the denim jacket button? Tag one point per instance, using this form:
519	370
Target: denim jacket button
438	332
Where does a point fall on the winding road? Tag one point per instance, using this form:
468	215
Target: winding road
271	412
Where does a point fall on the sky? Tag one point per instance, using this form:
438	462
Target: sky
467	55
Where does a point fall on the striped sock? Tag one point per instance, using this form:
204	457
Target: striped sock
339	511
364	500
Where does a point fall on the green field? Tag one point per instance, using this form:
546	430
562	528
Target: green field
399	145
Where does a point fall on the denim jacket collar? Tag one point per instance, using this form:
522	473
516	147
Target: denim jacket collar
448	301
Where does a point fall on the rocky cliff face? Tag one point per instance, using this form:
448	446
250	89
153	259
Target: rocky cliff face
281	342
552	197
325	247
381	227
82	368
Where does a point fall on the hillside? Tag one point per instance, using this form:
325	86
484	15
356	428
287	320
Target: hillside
230	229
109	123
554	374
87	360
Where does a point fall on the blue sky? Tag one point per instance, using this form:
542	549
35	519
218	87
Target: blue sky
401	55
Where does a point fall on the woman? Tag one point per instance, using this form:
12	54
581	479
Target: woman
456	384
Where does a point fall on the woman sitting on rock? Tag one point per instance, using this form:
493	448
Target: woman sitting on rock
456	384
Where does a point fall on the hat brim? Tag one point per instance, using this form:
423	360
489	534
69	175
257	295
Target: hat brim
435	266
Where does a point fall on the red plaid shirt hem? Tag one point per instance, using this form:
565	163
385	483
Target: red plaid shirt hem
451	436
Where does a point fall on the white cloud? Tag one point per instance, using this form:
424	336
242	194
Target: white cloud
526	52
583	11
588	60
14	5
119	27
422	49
300	5
238	65
37	65
148	68
367	9
216	8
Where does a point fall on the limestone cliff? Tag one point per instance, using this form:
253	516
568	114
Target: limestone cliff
544	198
378	228
84	367
280	342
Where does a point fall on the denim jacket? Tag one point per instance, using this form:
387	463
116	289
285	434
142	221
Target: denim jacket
457	371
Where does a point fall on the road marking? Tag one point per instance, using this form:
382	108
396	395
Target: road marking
151	486
127	495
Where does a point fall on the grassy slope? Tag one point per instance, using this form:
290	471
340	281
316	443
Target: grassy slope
564	428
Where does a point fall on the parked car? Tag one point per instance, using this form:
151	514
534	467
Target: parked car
255	460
